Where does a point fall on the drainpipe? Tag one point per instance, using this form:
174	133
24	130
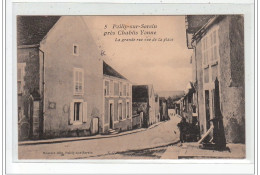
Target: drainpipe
42	95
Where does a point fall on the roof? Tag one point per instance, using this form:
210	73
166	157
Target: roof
108	70
32	29
195	22
205	27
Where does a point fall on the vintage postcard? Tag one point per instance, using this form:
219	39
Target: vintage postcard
131	87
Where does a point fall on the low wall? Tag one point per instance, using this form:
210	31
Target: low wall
123	125
136	121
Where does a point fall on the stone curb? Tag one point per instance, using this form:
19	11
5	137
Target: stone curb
71	139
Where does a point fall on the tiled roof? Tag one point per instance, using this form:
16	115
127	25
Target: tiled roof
108	70
32	29
195	22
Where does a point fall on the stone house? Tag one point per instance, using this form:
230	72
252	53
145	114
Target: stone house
117	100
218	70
63	79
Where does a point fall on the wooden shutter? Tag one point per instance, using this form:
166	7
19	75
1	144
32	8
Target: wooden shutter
85	112
71	117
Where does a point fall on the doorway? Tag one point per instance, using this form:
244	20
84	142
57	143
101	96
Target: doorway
207	107
111	111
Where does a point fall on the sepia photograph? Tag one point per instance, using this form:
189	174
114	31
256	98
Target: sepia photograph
130	87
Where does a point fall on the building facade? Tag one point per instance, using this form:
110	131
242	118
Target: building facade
63	82
218	61
189	104
30	125
117	100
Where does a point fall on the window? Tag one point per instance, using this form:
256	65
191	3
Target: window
120	110
210	47
116	88
75	49
206	75
78	112
213	39
20	77
78	81
205	50
210	55
124	90
127	109
124	110
106	89
120	88
127	89
111	88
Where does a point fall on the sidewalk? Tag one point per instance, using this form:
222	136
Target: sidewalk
192	151
70	139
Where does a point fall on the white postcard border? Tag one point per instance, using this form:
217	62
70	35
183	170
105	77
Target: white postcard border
125	166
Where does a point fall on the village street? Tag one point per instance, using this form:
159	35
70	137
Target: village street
135	146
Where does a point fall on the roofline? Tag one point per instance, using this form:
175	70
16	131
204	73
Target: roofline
104	62
51	29
109	76
28	46
204	28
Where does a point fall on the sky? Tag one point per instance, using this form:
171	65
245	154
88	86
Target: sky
166	65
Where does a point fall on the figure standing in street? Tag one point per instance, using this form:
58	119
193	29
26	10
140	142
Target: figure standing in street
182	127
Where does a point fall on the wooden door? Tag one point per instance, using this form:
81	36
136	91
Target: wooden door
207	108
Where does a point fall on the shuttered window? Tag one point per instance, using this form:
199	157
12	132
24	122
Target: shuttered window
205	50
116	89
120	89
210	47
111	88
78	81
106	89
210	55
20	77
124	90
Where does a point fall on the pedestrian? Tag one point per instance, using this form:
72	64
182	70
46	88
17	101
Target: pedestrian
182	127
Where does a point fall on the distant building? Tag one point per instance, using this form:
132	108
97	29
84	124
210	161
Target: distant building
157	107
218	71
189	109
144	101
163	109
64	87
117	100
